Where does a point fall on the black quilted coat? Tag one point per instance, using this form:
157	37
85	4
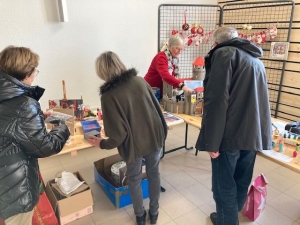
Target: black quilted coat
24	139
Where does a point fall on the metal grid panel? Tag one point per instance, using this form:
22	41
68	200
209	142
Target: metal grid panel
171	17
262	16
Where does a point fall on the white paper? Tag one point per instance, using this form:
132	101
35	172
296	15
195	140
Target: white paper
68	182
277	155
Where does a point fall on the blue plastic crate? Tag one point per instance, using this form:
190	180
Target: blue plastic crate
90	125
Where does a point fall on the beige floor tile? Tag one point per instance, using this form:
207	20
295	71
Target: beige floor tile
88	176
198	171
203	158
258	169
124	219
271	216
198	194
272	192
294	192
166	167
169	189
86	220
97	192
49	162
288	174
105	211
195	216
207	183
67	159
208	208
180	180
279	182
281	202
183	161
266	162
171	154
246	221
77	167
176	205
296	223
171	223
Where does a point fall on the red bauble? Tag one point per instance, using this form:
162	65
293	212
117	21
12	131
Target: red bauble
200	30
174	32
185	26
194	30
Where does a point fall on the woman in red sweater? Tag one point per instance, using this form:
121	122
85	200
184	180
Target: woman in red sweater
164	66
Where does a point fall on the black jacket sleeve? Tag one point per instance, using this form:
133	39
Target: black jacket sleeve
32	135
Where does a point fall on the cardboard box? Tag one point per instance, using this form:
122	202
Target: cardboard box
119	196
71	208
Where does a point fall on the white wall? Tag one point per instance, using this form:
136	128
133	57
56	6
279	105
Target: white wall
68	50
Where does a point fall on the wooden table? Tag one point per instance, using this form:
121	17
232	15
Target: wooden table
288	149
77	141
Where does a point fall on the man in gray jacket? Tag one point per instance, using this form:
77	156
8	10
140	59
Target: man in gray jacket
236	122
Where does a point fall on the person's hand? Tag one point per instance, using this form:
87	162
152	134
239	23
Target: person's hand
47	114
214	155
187	89
95	141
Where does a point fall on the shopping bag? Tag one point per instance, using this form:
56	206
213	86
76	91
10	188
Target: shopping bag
256	198
43	213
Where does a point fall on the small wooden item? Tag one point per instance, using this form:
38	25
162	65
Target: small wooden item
64	91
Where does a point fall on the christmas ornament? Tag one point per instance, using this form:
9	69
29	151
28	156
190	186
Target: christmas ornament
263	36
249	27
193	29
244	26
174	32
185	26
200	29
258	39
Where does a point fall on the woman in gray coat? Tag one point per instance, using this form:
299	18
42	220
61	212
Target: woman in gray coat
135	125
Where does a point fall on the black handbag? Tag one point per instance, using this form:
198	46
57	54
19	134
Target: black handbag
293	127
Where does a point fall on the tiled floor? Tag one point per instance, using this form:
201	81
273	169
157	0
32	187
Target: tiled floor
187	179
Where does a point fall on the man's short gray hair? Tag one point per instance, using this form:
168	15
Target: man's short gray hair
223	34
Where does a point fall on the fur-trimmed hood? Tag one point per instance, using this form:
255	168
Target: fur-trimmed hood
123	77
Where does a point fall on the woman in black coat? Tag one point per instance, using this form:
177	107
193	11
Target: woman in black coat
23	135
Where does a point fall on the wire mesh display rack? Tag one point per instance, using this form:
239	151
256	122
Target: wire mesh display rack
172	17
260	15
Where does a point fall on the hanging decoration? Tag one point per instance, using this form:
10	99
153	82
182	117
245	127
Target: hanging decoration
200	29
195	39
185	26
193	29
260	37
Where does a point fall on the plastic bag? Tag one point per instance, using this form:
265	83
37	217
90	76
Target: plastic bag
68	182
57	117
43	212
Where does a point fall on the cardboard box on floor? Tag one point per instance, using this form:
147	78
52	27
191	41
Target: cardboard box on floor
119	196
71	208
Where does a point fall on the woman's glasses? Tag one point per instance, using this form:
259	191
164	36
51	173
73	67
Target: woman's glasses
36	72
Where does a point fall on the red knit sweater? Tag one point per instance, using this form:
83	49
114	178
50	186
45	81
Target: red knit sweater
158	71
